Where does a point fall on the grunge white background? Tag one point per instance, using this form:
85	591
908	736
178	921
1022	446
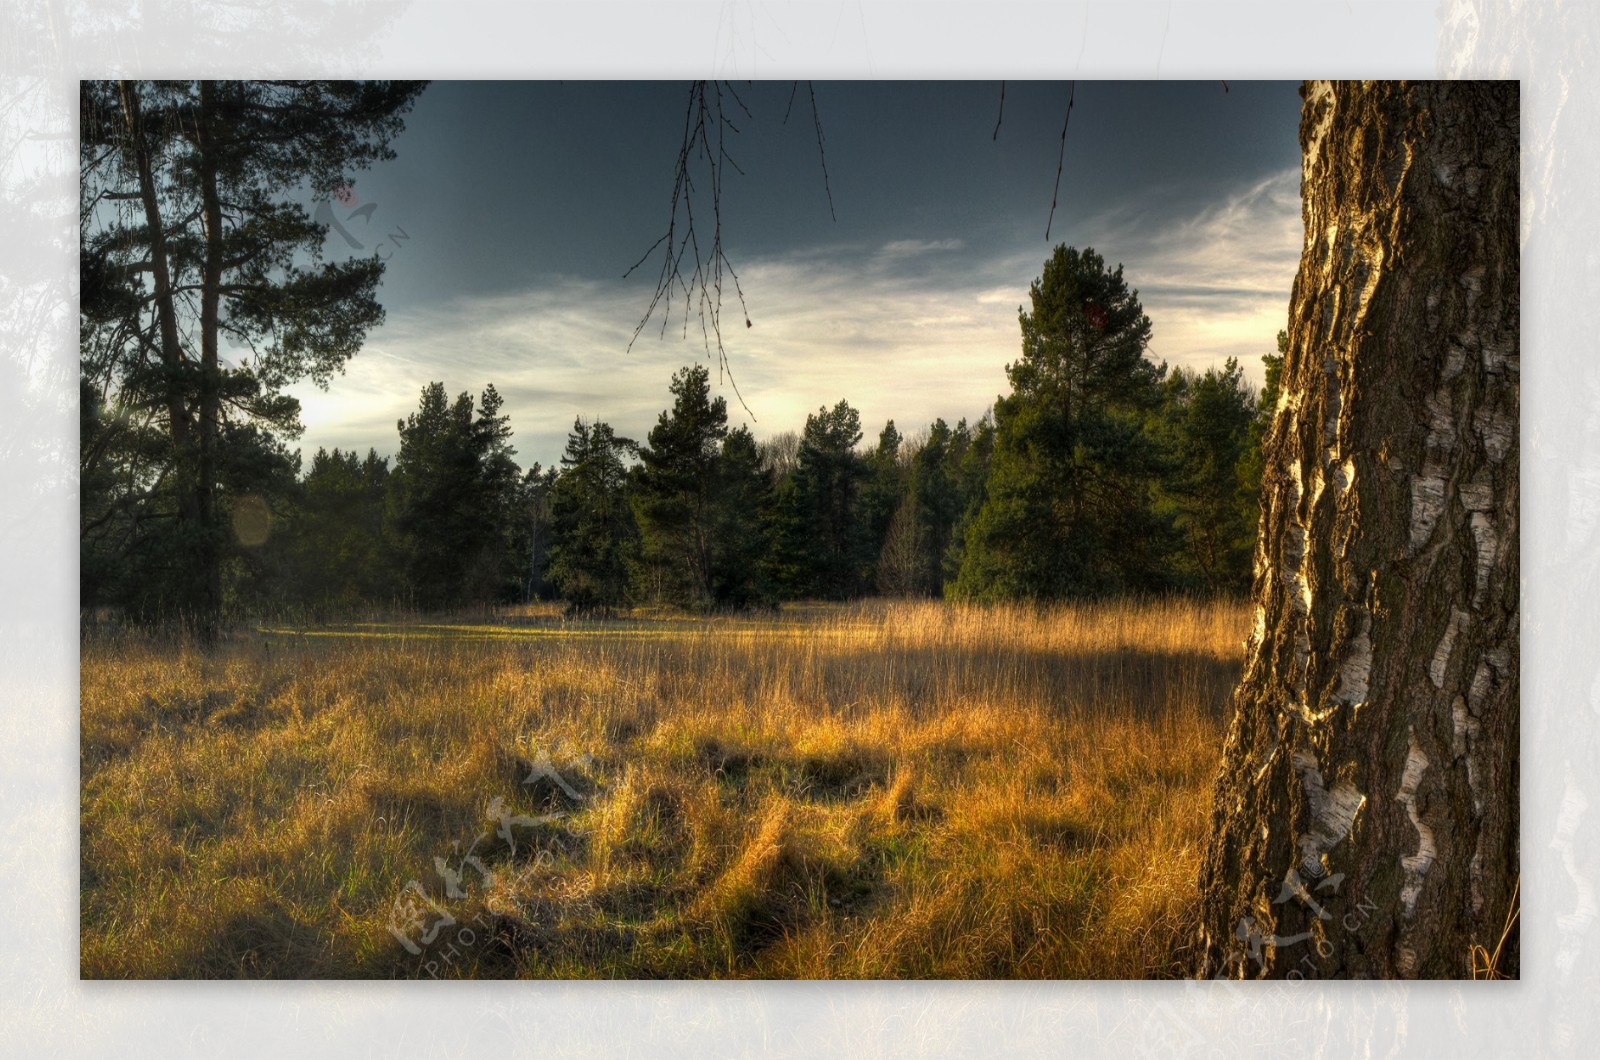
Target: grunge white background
46	46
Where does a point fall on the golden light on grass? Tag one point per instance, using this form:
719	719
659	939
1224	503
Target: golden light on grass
879	790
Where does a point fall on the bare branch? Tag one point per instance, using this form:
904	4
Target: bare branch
688	267
1071	95
816	120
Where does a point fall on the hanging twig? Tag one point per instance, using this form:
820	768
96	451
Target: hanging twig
816	120
687	268
793	88
1072	94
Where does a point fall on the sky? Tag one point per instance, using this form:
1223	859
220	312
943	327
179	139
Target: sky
513	210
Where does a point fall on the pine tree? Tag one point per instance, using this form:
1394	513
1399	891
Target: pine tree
971	450
935	490
454	504
882	490
1205	426
339	544
741	528
818	537
593	533
676	490
1068	511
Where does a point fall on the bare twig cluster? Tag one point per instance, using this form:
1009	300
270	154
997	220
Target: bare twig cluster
692	267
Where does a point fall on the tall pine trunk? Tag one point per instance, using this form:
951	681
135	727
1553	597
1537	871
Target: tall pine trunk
1365	821
209	555
192	516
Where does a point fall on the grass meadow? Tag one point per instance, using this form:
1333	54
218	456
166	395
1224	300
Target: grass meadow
879	790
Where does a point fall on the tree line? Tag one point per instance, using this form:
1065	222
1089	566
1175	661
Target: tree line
1101	473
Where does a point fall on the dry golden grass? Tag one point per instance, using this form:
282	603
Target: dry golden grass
878	790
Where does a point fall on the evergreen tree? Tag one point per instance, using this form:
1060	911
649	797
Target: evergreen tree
676	491
340	553
882	489
494	571
971	449
790	563
818	536
1068	507
741	529
934	490
593	534
454	504
532	547
1205	425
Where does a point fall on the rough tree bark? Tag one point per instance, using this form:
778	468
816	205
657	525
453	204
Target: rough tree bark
207	152
1365	822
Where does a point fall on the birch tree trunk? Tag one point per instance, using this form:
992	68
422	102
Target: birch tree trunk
1365	821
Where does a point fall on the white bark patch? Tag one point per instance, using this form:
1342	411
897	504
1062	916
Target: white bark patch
1302	600
1333	813
1370	272
1475	877
1294	577
1316	489
1319	104
1472	283
1498	358
1298	594
1427	504
1261	771
1416	865
1496	430
1487	540
1428	488
1500	659
1332	406
1478	495
1355	670
1440	411
1466	728
1459	620
1287	399
1344	476
1482	681
1470	726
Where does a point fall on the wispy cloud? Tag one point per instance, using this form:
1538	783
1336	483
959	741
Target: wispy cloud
880	329
824	329
905	248
1215	284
